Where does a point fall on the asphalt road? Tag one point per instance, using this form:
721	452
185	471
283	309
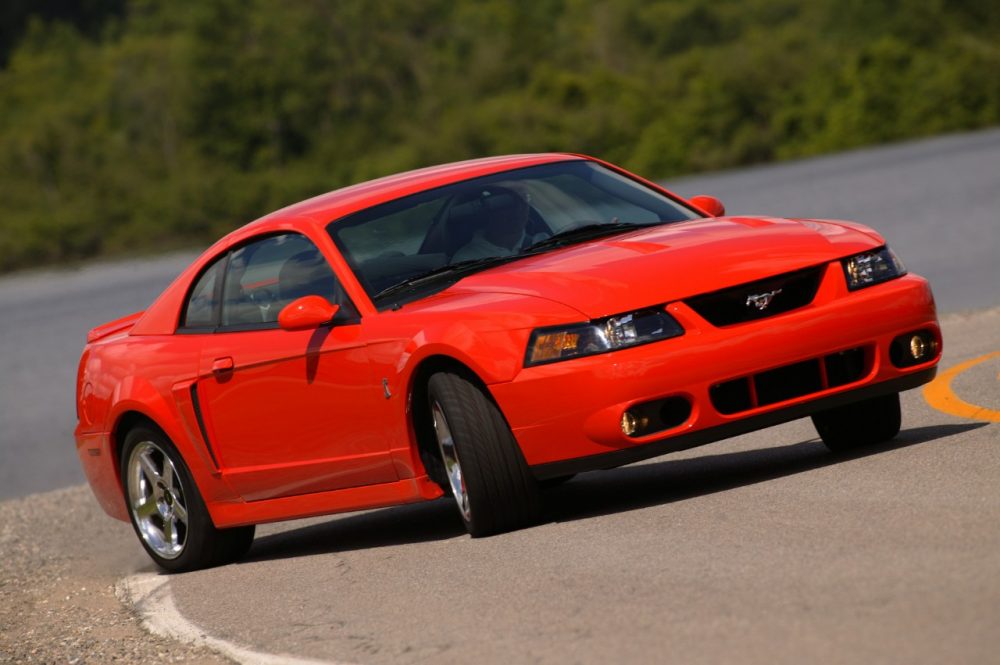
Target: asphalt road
937	201
762	548
46	316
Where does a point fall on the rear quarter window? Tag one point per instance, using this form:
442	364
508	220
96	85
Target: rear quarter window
202	305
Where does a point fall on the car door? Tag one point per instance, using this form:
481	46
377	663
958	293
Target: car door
288	412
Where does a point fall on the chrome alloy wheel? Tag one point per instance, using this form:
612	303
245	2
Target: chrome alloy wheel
156	499
449	455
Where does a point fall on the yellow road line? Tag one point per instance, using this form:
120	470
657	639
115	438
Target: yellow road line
939	394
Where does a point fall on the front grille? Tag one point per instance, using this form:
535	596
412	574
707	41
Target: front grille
773	295
791	381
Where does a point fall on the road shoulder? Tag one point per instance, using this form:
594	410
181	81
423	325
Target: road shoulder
61	557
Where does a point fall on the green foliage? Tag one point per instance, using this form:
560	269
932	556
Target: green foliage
142	125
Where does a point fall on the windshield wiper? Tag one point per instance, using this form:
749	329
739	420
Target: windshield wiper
581	233
459	269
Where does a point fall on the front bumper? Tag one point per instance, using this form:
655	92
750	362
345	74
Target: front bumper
566	415
693	439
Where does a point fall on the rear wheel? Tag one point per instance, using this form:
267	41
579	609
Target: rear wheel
167	511
860	424
486	472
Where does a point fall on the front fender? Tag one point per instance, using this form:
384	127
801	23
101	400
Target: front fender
490	342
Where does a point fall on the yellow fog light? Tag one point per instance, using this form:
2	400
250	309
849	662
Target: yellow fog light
631	423
913	348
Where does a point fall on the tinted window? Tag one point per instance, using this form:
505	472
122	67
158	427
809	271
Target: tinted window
202	304
264	276
503	215
403	231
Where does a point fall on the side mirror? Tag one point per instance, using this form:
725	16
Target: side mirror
307	312
709	204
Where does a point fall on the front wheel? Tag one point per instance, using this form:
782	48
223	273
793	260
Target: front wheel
859	424
166	510
486	472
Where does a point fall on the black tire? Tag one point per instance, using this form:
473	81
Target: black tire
549	483
234	543
167	511
860	424
500	492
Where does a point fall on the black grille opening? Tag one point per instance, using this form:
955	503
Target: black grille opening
731	396
845	367
760	299
787	382
675	411
791	381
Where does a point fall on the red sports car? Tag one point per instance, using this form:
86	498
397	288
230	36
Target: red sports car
475	329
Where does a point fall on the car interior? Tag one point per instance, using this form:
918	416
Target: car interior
255	292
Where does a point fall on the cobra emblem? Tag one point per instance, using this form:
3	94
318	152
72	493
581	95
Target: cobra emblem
761	300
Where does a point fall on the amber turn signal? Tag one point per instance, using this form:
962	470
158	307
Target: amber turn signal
549	346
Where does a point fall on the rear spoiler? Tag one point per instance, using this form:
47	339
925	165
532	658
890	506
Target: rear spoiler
112	327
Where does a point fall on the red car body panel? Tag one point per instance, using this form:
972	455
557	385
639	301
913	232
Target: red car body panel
276	424
669	262
588	420
327	454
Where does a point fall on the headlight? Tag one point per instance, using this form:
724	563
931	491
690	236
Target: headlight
600	336
872	267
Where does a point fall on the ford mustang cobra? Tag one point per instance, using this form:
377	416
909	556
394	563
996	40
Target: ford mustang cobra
475	330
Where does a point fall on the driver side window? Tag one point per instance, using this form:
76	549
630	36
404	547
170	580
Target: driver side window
264	276
246	288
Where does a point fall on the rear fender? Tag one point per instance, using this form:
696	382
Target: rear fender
136	395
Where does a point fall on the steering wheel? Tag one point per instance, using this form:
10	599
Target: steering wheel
263	298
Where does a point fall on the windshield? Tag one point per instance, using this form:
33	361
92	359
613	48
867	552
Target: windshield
433	238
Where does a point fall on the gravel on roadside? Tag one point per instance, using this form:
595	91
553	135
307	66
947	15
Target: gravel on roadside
60	557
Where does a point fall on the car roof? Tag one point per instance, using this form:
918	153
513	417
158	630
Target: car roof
333	205
161	316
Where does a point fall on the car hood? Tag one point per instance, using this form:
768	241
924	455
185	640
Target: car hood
672	261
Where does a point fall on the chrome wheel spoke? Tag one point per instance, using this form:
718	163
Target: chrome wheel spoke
156	500
170	531
180	512
148	468
145	509
449	455
168	474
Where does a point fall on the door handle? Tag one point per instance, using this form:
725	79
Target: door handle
220	365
